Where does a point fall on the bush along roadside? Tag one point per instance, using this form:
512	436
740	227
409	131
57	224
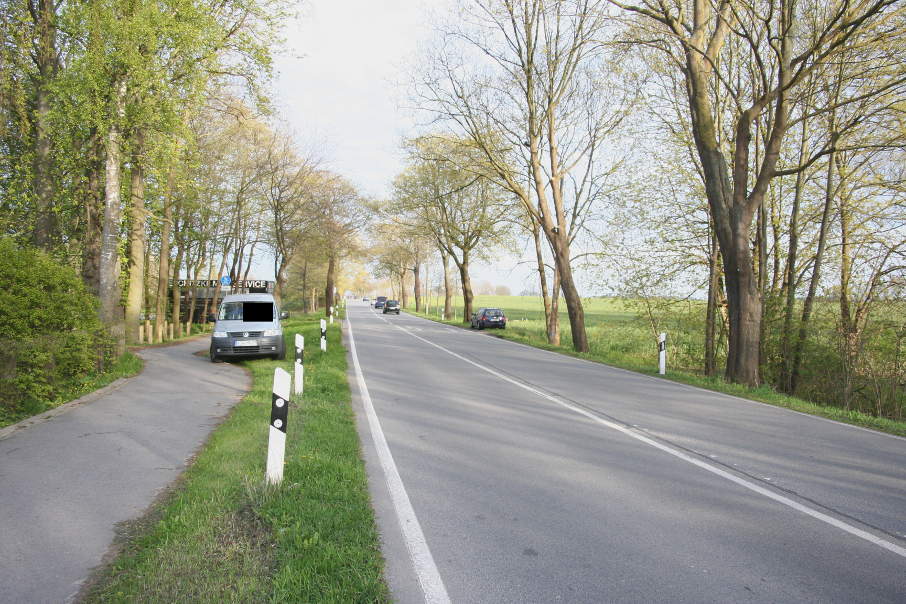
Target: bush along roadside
763	394
222	535
53	348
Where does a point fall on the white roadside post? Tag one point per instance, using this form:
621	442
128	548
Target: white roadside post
331	315
662	353
299	373
323	335
276	443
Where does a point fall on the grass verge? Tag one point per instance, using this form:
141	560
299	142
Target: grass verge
126	365
763	394
222	535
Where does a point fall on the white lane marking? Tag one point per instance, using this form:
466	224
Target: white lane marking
852	530
428	576
697	389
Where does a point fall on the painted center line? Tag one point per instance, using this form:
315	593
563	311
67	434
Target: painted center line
425	569
816	514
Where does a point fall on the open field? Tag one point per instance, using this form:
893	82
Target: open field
221	535
619	335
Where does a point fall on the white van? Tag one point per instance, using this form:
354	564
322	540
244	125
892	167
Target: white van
248	325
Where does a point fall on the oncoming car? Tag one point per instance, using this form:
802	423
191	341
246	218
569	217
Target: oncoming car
391	306
248	325
488	317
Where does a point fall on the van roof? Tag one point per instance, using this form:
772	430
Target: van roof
248	298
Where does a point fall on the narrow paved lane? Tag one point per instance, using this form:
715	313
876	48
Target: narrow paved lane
536	477
67	481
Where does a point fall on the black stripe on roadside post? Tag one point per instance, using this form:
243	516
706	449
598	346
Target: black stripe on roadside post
279	412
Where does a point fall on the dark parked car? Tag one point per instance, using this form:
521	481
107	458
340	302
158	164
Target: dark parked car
488	317
379	301
391	306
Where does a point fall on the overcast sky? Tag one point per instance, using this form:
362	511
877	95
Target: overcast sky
341	86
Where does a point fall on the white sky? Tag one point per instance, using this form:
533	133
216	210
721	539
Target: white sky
341	87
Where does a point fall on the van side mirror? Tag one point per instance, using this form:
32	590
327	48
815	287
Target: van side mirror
284	315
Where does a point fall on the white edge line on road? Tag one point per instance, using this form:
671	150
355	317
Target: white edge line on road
852	530
428	576
685	386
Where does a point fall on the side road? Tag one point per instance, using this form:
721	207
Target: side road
66	482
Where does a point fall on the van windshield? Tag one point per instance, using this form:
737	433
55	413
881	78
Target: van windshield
248	312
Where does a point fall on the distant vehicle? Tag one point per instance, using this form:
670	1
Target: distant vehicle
488	317
248	325
366	299
379	301
391	306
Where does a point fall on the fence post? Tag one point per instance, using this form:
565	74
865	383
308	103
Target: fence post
276	442
299	373
662	353
169	330
323	335
149	332
331	315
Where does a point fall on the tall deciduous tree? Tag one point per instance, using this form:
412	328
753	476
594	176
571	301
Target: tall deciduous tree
522	80
781	43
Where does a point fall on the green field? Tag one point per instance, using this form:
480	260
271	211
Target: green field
616	332
620	334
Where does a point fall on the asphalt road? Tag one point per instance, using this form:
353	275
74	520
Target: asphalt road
67	481
535	477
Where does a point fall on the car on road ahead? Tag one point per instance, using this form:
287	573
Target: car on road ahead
366	299
248	325
488	317
379	302
391	306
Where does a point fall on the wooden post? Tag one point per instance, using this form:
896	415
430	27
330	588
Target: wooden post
141	334
150	332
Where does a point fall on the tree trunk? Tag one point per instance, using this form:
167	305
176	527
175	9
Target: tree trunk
417	286
111	313
466	281
552	323
248	262
163	265
45	58
570	293
136	238
176	291
448	287
809	301
328	291
552	338
789	282
305	286
711	311
94	225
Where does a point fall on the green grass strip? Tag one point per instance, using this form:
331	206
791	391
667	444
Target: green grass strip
222	535
764	394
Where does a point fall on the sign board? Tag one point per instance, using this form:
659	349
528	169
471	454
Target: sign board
258	283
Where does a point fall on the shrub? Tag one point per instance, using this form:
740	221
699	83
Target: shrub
50	334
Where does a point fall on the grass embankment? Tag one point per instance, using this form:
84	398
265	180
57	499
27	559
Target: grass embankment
222	535
617	337
126	366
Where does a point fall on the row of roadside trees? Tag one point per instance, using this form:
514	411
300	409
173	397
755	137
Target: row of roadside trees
750	152
138	148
